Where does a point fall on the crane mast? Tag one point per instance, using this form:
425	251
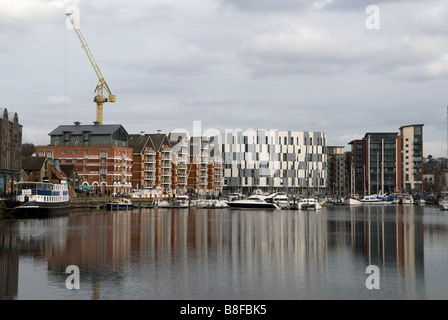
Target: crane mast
102	85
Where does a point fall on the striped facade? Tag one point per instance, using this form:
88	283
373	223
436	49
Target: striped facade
290	161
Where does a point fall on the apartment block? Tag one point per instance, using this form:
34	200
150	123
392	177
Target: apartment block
200	166
10	150
152	161
339	178
180	159
100	153
389	162
410	159
290	161
175	162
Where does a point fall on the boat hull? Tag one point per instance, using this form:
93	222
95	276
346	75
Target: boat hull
351	202
114	207
254	206
33	209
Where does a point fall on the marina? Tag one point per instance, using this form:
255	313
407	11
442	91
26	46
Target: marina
195	254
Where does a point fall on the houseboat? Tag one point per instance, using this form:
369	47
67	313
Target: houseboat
38	198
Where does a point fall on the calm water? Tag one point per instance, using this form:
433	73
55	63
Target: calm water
228	254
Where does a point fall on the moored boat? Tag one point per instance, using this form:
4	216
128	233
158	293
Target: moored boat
351	200
443	204
254	202
407	199
372	199
281	200
120	204
181	201
37	198
309	204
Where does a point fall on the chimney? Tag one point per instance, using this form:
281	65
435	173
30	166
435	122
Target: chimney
77	123
159	131
142	133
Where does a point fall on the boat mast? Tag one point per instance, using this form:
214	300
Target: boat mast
377	169
382	167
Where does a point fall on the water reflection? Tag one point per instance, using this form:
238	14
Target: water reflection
220	254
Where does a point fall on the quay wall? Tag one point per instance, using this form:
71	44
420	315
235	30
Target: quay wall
101	202
89	203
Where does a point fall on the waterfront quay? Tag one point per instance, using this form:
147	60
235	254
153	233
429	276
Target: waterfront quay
100	202
93	203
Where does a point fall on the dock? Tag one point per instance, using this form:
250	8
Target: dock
100	203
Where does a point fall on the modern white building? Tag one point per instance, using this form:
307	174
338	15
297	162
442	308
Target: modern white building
273	160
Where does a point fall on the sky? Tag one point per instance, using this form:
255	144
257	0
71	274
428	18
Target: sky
343	67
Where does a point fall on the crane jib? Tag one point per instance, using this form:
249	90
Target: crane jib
103	84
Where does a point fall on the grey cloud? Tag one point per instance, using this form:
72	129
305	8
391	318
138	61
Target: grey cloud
258	6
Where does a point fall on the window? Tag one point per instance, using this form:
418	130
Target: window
75	151
64	152
86	152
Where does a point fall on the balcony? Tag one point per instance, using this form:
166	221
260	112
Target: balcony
150	153
166	164
150	160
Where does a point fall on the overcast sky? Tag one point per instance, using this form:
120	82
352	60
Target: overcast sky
231	64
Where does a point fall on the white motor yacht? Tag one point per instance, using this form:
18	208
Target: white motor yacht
443	204
309	204
281	200
407	199
182	201
254	202
372	199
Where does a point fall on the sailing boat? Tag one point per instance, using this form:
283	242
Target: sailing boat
353	198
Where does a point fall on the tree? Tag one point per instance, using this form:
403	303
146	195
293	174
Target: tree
28	149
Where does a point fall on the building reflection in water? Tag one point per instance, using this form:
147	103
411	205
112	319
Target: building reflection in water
9	261
208	254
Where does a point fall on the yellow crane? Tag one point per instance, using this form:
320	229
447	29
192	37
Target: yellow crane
102	85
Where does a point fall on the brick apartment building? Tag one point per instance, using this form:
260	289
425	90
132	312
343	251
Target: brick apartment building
100	154
152	166
176	163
